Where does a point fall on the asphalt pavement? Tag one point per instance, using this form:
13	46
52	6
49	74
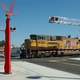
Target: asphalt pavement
67	64
40	69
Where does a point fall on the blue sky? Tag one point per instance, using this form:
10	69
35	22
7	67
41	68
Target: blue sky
31	17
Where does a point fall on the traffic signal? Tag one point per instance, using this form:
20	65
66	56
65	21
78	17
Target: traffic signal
53	19
13	29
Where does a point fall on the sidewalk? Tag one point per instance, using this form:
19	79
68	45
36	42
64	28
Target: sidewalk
22	70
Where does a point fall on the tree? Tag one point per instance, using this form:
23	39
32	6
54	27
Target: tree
2	43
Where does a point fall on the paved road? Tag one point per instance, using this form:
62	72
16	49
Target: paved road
60	63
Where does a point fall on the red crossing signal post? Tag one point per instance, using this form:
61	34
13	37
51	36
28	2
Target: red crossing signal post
7	65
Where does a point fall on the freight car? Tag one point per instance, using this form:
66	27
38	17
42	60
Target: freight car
44	45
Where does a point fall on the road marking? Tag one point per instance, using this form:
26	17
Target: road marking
57	60
71	64
78	59
62	61
53	61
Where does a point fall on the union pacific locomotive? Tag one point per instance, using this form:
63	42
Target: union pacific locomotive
44	46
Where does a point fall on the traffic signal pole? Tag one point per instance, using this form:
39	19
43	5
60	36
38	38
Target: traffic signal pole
7	65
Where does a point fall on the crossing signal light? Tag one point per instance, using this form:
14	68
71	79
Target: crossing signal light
53	19
13	29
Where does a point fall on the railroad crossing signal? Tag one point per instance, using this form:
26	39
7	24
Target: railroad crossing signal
64	20
7	65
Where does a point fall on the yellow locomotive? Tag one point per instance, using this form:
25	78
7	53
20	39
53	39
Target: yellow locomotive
44	45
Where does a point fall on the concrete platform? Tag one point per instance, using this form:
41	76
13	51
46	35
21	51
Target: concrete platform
28	71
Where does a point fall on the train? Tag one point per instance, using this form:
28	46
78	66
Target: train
47	45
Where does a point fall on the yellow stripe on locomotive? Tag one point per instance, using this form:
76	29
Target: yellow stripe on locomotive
59	42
